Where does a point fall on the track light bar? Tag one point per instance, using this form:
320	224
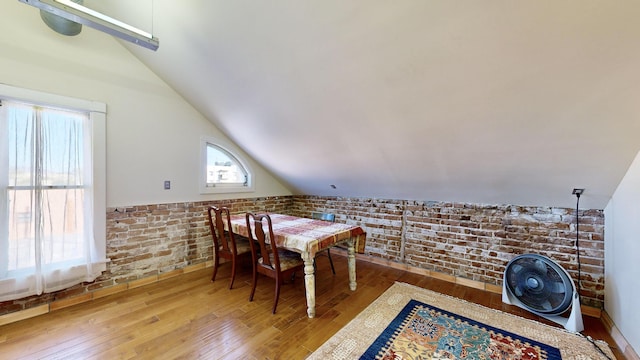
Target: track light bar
83	15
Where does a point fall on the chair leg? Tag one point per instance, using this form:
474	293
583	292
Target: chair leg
216	264
333	270
233	272
254	282
275	300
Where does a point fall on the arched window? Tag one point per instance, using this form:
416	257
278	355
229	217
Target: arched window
222	170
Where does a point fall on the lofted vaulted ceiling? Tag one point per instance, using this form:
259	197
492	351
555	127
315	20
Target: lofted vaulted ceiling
498	102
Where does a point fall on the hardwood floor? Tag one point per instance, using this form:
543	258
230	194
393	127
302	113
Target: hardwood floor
190	317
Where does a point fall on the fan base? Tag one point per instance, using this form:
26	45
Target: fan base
573	323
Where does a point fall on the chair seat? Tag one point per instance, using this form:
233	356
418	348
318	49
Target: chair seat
288	259
242	246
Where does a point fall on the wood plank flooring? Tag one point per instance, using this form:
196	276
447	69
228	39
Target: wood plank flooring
189	317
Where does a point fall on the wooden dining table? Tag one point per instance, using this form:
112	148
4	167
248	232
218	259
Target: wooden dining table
308	237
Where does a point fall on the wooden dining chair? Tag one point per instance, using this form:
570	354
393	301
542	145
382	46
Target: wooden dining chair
326	217
226	244
269	259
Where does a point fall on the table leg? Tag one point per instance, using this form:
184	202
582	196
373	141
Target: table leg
351	261
309	284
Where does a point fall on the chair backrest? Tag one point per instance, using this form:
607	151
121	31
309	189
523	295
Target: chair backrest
323	216
265	240
221	238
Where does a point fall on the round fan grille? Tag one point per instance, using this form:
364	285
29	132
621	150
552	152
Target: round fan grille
539	283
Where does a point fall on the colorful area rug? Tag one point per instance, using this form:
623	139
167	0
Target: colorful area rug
408	322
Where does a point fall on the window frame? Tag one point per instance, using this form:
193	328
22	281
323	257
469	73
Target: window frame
234	155
97	117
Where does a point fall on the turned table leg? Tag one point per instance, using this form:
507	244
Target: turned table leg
309	284
352	264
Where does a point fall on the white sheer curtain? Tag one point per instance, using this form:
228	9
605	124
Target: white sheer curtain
46	197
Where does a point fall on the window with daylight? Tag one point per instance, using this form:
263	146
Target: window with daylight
52	196
223	171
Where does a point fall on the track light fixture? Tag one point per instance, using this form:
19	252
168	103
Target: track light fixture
83	15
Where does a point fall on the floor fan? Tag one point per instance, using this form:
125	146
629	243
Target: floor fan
541	286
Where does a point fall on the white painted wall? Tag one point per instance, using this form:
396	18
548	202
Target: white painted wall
489	102
153	134
622	255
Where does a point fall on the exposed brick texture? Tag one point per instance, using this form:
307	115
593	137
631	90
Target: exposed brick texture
472	241
143	241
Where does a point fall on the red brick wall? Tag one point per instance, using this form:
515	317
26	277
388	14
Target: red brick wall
143	241
472	241
382	219
149	240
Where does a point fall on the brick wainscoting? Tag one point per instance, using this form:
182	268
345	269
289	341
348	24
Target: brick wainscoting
473	241
461	241
149	242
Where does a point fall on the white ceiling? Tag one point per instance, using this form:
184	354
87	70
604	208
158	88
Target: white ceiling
497	102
